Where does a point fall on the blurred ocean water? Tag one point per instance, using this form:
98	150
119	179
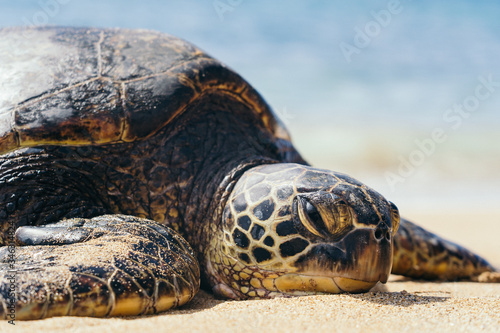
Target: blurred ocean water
357	84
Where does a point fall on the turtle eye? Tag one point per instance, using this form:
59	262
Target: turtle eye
342	218
394	218
314	215
310	217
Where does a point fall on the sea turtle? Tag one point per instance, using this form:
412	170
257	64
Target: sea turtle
135	166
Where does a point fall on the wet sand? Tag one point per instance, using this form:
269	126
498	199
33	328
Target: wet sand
400	305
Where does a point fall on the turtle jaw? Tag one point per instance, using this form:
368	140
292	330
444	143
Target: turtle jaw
295	230
355	257
305	284
363	255
355	264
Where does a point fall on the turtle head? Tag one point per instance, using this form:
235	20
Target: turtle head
292	229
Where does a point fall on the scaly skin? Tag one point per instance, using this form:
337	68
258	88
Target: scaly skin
421	254
100	127
270	247
169	177
111	265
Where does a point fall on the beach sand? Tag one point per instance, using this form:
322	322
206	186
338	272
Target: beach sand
400	305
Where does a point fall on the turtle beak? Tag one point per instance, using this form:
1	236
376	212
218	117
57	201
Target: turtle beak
363	255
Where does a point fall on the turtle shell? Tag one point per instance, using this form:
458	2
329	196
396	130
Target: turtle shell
78	86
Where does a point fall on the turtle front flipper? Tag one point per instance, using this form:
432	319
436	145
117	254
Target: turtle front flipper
419	253
111	265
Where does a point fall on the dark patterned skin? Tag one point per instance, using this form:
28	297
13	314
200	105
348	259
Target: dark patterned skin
111	265
289	229
135	167
421	254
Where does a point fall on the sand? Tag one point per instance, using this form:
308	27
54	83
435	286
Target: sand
400	305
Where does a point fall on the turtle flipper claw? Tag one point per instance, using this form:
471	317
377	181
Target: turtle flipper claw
52	234
111	265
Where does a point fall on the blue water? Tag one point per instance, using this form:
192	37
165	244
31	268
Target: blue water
424	58
354	112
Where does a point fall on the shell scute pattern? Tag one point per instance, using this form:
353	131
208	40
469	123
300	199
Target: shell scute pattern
260	237
257	180
257	231
286	228
314	180
283	193
284	244
284	175
284	210
258	192
145	124
293	247
240	238
240	204
264	210
244	222
268	241
261	254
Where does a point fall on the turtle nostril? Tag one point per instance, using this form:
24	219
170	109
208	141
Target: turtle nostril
382	232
